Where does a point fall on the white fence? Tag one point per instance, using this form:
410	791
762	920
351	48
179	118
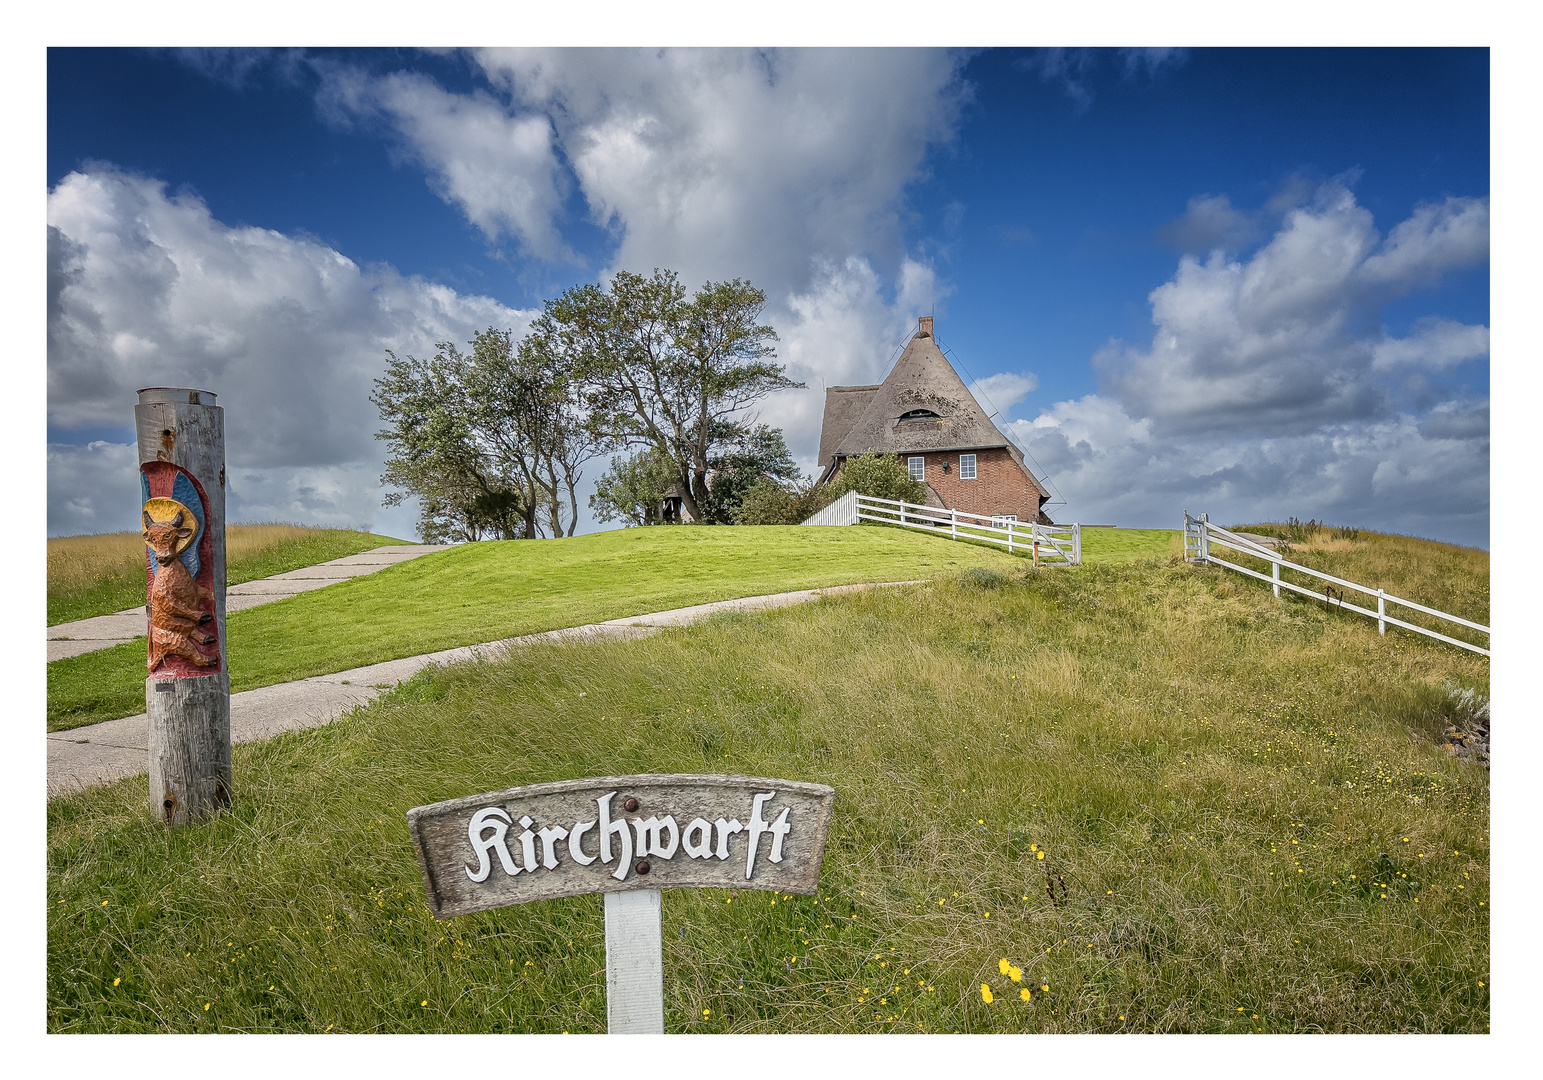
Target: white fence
1200	535
1055	544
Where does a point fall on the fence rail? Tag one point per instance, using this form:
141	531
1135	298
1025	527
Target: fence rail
1200	535
1051	544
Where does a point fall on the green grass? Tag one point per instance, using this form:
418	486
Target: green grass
1243	827
1126	545
1443	576
483	592
98	575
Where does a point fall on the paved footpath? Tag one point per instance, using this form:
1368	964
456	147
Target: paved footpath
101	753
105	631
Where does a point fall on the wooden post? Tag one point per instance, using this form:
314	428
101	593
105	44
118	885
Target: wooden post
1275	573
634	963
181	435
953	516
1382	612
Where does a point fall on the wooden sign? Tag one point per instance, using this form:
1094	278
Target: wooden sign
618	833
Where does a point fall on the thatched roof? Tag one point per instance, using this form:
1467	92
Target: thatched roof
921	406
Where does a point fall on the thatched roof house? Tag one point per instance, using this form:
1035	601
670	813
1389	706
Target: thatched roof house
923	412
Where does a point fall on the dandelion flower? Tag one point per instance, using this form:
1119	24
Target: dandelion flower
1045	987
424	1003
1025	995
1041	855
117	980
1015	973
206	1006
985	993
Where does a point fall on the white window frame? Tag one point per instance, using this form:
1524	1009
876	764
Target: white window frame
917	467
999	520
967	466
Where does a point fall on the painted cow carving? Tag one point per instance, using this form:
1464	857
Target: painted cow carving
176	617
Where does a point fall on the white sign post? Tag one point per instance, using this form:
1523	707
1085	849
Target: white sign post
584	836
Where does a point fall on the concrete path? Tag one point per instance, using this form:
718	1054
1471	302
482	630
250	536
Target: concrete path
101	753
104	631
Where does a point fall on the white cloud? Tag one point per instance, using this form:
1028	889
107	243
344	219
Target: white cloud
1002	391
1279	343
1436	344
713	162
147	289
1428	477
499	167
1264	392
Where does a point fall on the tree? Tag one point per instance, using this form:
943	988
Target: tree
463	491
761	453
663	371
488	441
883	476
768	502
632	489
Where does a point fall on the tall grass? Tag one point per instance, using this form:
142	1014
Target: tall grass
1443	576
96	575
1167	801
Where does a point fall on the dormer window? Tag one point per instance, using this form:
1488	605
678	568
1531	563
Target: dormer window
921	414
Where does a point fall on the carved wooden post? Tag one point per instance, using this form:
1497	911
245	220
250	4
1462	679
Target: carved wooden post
187	691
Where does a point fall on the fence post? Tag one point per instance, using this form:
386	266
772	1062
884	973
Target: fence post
1205	538
1077	541
1009	537
1382	612
953	516
902	511
1275	573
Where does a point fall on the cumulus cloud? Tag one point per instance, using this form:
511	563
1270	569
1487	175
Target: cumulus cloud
1280	343
149	289
1263	393
1436	344
714	162
499	166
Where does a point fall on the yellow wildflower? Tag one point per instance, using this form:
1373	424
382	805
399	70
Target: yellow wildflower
985	993
1025	995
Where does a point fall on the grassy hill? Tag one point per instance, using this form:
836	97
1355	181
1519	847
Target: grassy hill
1164	799
483	592
97	575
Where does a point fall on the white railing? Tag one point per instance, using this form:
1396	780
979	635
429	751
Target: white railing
1200	535
1054	544
841	512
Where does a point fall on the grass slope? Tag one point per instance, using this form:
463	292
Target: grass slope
1443	576
482	592
97	575
1225	793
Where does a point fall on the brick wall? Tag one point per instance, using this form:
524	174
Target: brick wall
999	487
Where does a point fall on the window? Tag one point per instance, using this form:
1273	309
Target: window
967	466
1001	520
921	414
917	467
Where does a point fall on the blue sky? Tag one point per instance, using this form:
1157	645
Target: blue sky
1252	282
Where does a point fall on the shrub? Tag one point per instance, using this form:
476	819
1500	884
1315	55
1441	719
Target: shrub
770	503
882	476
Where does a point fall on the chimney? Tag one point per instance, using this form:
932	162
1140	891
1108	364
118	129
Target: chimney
926	326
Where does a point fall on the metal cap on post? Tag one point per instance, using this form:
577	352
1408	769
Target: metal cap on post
181	434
